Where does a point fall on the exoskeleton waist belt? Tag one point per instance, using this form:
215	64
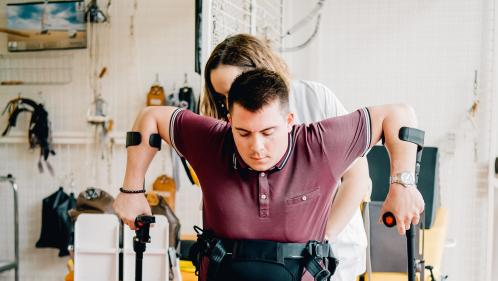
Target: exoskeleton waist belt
262	260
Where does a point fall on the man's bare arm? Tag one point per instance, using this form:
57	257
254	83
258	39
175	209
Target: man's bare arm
151	120
405	203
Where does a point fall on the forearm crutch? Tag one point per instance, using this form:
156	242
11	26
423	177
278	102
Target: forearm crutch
142	237
415	136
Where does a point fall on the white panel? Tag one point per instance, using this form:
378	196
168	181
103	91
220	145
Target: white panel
96	247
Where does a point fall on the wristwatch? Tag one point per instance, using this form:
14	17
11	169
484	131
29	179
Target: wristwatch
404	178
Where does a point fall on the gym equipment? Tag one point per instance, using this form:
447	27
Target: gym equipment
12	264
92	200
415	136
160	206
187	98
40	132
140	241
166	187
50	234
94	14
156	95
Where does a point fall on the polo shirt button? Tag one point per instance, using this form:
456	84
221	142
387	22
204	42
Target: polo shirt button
262	174
263	196
304	198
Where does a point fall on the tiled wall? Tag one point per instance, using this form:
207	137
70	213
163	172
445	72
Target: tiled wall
423	53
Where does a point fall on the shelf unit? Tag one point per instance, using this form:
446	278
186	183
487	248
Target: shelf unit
12	264
35	70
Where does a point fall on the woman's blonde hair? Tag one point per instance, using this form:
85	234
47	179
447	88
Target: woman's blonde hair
242	50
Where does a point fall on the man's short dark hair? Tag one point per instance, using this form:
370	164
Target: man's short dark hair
256	88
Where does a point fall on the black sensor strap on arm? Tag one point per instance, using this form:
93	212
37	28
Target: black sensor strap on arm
135	138
155	141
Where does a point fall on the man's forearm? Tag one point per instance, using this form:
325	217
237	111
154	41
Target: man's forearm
406	203
151	120
355	186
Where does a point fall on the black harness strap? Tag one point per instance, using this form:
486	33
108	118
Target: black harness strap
317	252
317	257
218	252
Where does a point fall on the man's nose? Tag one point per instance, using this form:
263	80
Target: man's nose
257	144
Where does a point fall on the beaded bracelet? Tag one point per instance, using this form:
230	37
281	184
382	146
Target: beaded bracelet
131	191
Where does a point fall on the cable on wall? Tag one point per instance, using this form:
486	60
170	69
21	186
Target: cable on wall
301	23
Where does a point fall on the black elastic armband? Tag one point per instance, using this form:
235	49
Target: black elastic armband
155	141
135	138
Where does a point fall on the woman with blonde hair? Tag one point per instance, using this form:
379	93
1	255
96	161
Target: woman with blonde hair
310	102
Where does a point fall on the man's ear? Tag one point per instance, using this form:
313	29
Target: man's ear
290	121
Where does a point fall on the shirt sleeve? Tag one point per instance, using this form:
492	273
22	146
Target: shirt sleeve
340	109
343	139
195	137
334	107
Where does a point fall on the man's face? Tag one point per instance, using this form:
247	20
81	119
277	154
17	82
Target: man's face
261	137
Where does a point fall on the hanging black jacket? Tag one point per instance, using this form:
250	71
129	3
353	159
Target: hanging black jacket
50	228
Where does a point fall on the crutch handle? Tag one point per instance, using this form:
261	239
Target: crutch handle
141	238
389	219
143	223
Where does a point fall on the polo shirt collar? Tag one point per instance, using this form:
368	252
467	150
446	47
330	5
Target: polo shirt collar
239	163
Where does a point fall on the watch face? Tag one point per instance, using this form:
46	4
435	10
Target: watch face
406	177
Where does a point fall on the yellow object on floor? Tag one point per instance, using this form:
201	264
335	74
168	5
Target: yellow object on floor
70	268
389	276
187	266
188	271
187	276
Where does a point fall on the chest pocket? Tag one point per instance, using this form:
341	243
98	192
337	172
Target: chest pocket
304	198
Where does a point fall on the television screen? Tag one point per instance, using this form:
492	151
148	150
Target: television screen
47	25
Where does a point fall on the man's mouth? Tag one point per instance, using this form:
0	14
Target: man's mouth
258	158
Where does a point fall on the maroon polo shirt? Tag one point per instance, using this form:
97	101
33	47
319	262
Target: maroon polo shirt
288	203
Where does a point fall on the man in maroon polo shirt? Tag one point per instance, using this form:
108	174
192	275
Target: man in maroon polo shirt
263	177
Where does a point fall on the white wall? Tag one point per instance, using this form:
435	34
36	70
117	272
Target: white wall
163	43
423	53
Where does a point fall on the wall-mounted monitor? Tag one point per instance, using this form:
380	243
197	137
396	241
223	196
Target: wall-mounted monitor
46	25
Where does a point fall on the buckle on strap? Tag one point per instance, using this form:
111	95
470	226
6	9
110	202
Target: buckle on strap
319	260
323	274
209	246
318	250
